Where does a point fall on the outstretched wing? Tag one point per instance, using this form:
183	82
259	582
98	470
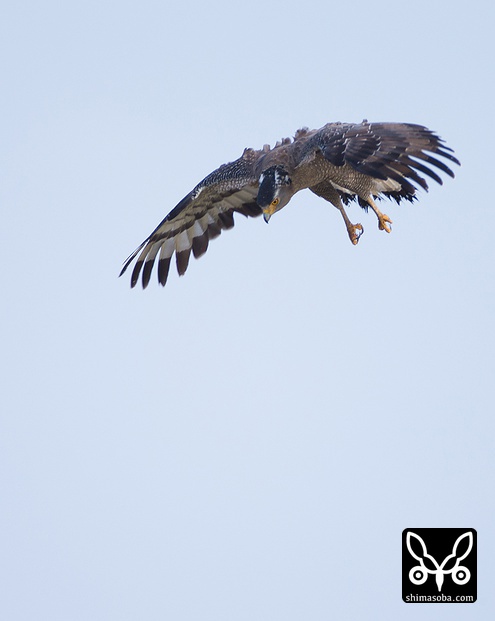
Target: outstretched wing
391	152
199	217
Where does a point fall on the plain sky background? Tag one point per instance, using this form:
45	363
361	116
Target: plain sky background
248	443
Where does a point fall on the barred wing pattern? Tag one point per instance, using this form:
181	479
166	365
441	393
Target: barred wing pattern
198	218
386	151
340	162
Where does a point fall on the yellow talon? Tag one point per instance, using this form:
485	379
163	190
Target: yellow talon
355	231
383	223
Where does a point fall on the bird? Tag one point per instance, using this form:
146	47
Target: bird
340	162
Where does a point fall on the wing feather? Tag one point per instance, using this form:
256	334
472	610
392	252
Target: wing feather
197	218
182	260
383	151
148	265
200	245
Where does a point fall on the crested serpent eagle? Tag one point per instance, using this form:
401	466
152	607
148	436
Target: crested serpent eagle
340	162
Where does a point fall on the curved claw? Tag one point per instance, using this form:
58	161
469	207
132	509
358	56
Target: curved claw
383	223
355	231
383	219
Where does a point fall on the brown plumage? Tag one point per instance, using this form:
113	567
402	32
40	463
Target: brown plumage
339	162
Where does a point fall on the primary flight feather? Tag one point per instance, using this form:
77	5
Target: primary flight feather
339	162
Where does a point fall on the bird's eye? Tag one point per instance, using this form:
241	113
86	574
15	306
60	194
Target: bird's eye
275	202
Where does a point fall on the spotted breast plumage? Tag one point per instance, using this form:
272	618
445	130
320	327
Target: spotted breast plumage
340	162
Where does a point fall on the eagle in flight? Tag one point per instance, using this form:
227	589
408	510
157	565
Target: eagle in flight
340	162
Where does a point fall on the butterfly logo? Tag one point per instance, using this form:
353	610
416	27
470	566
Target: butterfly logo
450	565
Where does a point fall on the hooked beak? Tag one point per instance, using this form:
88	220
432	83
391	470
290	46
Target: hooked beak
268	212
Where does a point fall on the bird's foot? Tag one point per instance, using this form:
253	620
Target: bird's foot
355	231
383	222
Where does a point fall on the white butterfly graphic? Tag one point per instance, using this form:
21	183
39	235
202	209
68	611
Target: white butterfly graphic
419	573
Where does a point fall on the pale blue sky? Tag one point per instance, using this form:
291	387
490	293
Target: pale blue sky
249	443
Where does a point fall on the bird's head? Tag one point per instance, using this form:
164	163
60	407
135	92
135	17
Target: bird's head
275	190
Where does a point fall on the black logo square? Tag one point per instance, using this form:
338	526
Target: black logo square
439	565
